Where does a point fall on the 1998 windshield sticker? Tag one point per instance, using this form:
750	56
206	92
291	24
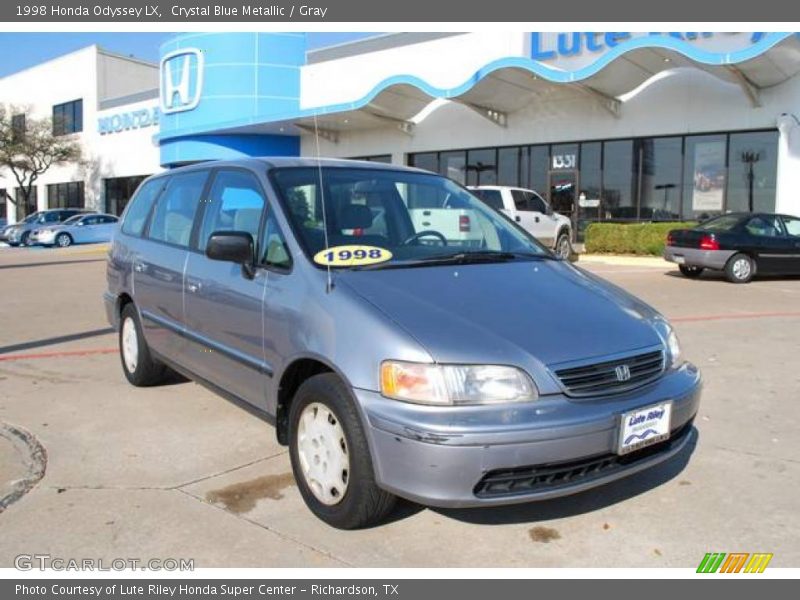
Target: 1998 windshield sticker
351	256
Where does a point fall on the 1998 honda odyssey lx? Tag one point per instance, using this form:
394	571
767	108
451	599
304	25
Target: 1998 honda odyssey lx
392	360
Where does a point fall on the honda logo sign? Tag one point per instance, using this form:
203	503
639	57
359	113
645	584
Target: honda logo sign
181	80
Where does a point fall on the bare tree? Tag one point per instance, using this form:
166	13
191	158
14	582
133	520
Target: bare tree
28	151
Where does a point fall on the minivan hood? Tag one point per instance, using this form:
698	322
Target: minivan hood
508	313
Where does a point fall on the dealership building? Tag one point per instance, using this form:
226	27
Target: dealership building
615	126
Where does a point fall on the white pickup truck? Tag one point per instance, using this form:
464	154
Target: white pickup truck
532	213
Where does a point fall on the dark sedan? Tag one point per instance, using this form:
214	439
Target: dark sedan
740	244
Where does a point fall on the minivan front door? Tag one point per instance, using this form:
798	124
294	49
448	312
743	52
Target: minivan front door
222	304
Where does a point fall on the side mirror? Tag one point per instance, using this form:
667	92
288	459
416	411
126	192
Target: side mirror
233	246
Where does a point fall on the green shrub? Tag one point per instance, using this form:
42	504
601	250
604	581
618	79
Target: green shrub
630	238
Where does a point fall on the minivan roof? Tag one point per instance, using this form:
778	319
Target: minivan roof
297	161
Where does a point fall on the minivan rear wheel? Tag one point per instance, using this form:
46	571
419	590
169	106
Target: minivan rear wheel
330	456
139	366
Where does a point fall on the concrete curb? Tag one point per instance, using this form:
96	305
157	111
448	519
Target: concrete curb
34	463
653	262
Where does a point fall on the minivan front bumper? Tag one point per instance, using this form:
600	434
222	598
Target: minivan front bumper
555	446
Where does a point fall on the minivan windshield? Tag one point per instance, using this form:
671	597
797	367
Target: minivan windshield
420	218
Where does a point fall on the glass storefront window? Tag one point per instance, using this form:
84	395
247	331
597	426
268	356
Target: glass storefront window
118	191
704	176
590	185
425	160
618	182
453	165
752	171
508	166
482	167
539	161
661	165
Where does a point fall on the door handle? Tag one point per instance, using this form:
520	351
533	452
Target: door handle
193	286
138	267
536	219
518	219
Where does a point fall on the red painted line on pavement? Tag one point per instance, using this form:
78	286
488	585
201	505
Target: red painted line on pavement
59	354
766	315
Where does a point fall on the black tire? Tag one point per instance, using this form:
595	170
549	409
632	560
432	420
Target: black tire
363	503
147	370
25	238
740	268
63	240
690	271
563	247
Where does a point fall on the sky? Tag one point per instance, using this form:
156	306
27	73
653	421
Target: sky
22	50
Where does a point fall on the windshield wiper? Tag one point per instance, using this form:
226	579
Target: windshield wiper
458	258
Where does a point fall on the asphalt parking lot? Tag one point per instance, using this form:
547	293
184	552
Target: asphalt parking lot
175	471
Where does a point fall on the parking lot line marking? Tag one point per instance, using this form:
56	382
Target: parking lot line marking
63	353
733	317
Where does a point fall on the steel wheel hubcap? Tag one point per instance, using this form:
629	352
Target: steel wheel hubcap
63	241
322	452
130	345
741	268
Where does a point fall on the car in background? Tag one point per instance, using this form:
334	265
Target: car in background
19	234
79	229
740	244
531	212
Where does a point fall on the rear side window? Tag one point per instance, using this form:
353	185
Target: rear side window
235	203
521	200
491	197
173	217
139	207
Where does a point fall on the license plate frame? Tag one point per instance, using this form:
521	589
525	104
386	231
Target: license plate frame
644	427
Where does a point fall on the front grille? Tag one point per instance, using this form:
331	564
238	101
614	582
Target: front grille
528	480
601	378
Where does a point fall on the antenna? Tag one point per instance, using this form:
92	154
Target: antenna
329	282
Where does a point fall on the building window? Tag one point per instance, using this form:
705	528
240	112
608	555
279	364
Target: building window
68	117
508	160
118	191
3	205
618	180
539	163
381	158
65	195
661	161
17	127
752	171
454	165
425	160
25	208
482	167
704	176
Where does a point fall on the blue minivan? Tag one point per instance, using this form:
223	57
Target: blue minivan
394	358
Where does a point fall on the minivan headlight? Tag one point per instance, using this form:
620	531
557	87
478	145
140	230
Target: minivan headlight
455	384
671	342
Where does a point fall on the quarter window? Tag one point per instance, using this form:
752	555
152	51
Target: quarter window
235	203
274	252
173	217
139	207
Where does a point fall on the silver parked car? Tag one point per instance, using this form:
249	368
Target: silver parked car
393	360
19	234
80	229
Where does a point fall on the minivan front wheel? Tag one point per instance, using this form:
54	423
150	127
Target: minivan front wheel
330	456
140	368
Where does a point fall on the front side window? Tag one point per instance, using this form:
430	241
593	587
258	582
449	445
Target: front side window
173	216
377	208
136	214
235	203
536	203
